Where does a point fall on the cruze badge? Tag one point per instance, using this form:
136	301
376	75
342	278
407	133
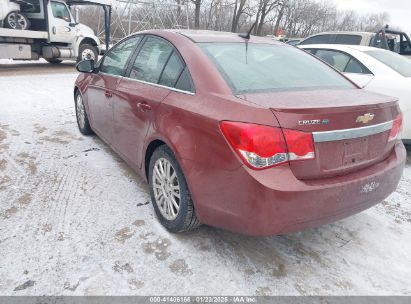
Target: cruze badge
313	122
365	118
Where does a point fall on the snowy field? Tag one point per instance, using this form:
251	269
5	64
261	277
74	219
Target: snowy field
74	220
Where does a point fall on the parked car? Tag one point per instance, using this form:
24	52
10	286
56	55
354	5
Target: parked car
11	15
386	38
291	41
374	69
294	41
350	38
250	135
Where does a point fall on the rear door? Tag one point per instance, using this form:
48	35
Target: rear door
102	90
152	71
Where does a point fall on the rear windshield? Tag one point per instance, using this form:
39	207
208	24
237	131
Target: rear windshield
267	67
396	62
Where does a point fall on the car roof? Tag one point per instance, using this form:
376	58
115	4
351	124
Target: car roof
340	47
344	33
214	36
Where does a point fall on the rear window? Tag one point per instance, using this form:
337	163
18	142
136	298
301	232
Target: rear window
396	62
30	6
348	39
267	67
317	39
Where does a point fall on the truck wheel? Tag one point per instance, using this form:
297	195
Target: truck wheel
87	52
17	21
54	61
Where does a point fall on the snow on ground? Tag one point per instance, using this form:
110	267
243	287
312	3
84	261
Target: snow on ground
74	221
11	61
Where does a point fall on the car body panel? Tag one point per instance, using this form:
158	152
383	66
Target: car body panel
226	193
130	120
102	92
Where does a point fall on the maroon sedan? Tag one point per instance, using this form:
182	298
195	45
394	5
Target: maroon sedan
250	135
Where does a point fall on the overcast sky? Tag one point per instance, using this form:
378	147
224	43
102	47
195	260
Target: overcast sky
399	10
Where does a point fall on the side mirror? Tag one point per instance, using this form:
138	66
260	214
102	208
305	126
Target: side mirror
73	24
85	66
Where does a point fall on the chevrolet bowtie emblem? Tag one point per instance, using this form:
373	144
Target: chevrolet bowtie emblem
365	118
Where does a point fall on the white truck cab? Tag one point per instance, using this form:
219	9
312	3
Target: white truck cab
54	34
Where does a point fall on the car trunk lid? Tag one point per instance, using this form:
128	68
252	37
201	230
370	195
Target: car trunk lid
350	127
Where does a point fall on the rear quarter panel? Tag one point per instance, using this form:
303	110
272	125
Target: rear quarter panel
190	126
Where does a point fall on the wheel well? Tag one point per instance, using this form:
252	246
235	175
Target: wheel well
88	41
75	91
149	152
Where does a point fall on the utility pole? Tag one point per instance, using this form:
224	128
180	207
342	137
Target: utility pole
129	18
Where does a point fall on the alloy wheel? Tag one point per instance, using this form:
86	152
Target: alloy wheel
166	189
17	21
81	114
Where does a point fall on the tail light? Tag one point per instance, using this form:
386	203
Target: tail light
262	147
396	128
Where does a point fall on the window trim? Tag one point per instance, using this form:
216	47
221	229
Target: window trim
133	58
101	61
164	67
344	53
163	86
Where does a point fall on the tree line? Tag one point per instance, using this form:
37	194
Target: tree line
292	18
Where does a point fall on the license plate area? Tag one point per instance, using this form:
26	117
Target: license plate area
355	151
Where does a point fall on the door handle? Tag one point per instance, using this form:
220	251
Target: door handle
144	106
108	94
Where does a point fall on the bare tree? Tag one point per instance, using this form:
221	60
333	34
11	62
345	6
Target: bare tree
239	10
297	18
197	11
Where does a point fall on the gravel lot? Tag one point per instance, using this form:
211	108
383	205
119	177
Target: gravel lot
74	220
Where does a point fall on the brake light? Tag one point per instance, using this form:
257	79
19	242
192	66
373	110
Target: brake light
396	128
300	144
262	147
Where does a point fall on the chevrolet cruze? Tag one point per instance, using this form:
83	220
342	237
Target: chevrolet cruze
250	135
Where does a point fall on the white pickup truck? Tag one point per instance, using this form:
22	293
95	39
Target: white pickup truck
386	38
52	34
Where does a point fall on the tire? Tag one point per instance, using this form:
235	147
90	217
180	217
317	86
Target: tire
81	115
87	51
185	218
16	20
54	61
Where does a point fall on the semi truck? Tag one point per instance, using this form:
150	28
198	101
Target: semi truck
52	32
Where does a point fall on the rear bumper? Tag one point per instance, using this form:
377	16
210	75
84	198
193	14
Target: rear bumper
273	201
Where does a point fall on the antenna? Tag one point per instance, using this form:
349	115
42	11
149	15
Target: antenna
247	36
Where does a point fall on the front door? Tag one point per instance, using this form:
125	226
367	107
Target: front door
61	23
141	93
100	95
102	89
